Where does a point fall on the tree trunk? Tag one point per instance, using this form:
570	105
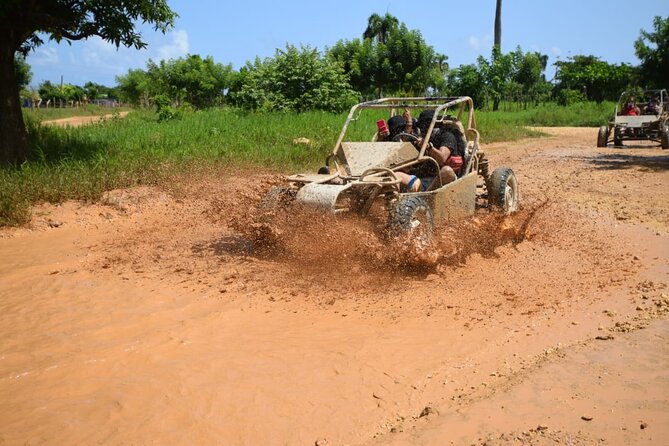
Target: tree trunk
498	26
13	135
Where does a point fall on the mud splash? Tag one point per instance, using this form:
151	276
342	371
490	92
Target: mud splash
322	243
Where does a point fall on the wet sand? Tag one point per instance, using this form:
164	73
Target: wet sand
151	317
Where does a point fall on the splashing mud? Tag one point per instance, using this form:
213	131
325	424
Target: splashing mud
318	242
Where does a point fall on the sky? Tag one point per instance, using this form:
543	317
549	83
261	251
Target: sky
237	32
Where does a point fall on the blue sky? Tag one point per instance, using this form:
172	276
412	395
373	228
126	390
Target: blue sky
235	32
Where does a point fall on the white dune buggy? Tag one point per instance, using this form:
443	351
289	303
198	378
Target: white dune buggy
650	123
362	171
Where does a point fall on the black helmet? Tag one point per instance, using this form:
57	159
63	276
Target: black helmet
424	120
396	125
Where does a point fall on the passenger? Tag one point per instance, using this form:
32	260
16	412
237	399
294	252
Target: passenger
653	106
631	109
408	182
396	125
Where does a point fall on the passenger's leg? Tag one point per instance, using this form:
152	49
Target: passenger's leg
410	183
447	175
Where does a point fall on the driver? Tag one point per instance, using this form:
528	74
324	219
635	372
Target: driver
653	107
445	147
396	125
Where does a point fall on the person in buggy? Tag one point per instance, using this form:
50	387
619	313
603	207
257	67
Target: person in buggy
630	108
446	147
653	106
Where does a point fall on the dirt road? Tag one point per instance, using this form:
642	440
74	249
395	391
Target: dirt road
151	319
76	121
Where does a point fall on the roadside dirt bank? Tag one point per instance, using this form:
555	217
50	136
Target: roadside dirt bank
149	318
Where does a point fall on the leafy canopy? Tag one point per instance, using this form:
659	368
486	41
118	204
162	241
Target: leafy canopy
652	48
390	59
70	20
293	80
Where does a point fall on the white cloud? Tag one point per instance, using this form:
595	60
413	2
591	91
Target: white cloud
557	52
44	56
99	61
96	50
177	48
474	43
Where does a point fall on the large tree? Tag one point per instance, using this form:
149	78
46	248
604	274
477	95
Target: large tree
24	24
390	59
652	48
595	79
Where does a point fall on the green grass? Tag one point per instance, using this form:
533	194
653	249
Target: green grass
47	114
84	162
587	114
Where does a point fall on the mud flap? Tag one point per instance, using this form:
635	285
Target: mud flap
320	195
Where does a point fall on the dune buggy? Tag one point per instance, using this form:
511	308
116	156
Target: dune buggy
650	122
361	173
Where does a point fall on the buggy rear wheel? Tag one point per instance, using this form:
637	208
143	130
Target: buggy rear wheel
602	136
411	222
503	190
664	136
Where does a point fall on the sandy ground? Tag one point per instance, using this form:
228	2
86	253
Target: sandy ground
76	121
152	317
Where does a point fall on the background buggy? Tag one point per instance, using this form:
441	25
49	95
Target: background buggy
649	125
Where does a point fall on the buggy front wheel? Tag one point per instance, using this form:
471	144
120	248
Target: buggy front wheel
602	136
503	190
411	222
664	136
617	137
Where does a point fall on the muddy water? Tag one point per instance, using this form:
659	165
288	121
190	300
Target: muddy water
151	318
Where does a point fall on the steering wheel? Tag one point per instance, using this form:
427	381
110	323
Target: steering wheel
402	135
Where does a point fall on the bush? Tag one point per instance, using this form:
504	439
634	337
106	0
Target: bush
569	97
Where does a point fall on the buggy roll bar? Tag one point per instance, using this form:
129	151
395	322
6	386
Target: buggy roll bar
438	104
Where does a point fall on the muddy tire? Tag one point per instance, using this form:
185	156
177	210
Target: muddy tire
664	136
412	223
617	138
503	190
602	136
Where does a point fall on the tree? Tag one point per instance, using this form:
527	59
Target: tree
23	73
595	79
390	59
200	82
23	22
379	28
498	26
515	75
294	80
467	80
134	87
652	48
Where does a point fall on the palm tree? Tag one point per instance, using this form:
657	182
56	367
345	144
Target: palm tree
379	27
498	26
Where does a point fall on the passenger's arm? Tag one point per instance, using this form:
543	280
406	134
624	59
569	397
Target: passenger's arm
440	155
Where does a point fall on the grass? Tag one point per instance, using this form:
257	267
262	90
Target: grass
83	162
47	114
